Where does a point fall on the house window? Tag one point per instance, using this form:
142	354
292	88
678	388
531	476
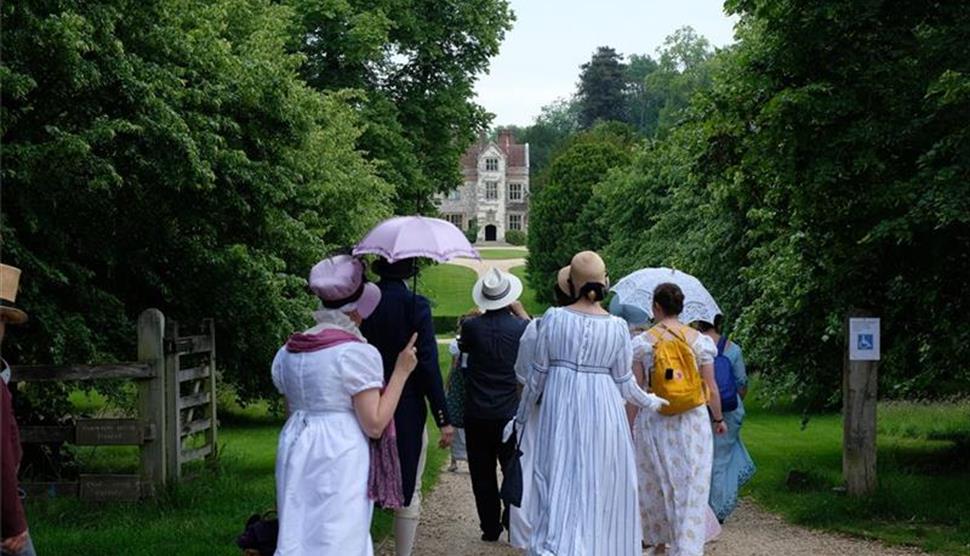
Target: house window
515	221
515	191
456	219
491	165
491	190
454	195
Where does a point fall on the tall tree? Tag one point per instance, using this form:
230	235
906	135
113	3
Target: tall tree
563	212
415	64
601	96
167	154
796	189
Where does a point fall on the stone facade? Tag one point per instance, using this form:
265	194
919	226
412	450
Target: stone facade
495	189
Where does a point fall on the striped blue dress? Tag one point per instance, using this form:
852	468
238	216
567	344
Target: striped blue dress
584	480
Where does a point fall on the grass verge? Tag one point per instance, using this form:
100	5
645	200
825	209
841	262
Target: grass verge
923	498
198	517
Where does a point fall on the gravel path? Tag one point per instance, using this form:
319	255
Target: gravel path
449	527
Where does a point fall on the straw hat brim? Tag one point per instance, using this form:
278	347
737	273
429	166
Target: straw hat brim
485	304
12	315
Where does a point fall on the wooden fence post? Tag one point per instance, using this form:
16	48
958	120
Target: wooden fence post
151	395
173	391
859	389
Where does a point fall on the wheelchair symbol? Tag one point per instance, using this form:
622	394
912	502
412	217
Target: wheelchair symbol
865	342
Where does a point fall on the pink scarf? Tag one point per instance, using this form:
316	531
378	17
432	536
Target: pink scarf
384	484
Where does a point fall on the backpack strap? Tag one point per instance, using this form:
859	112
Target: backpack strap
678	333
721	344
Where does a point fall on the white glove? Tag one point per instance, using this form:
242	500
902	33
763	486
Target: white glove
509	430
655	402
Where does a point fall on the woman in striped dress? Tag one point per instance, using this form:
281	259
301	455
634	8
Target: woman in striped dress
584	478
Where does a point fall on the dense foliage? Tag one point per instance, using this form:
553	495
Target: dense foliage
563	212
798	189
171	155
414	64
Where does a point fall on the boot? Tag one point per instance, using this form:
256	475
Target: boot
405	531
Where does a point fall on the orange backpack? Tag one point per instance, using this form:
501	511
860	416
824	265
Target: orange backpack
675	376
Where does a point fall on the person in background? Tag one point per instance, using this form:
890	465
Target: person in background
400	314
674	447
520	521
13	521
491	396
733	466
584	474
456	392
331	380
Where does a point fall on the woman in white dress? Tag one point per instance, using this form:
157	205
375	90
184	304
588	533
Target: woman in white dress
584	474
332	379
674	452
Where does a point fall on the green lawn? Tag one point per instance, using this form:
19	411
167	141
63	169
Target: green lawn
499	253
199	517
449	288
923	497
528	298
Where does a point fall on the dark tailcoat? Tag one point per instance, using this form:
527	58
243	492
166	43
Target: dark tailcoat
388	329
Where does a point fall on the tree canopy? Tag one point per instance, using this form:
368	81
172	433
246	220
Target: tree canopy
173	155
818	165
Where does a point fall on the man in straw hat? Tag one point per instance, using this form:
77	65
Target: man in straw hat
13	523
492	343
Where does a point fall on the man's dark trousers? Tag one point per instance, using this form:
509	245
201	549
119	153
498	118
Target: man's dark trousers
483	440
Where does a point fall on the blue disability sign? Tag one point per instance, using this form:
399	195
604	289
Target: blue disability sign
866	342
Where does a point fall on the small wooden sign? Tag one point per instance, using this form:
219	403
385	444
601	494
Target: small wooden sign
102	432
110	488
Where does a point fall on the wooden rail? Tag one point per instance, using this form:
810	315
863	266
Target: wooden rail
37	373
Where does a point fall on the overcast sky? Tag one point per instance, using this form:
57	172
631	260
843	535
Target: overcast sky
540	57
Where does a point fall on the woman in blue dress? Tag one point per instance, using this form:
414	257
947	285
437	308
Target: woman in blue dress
733	466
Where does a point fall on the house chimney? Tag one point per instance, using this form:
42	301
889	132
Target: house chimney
505	139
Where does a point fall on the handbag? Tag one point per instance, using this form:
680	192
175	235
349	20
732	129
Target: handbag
511	492
260	534
455	399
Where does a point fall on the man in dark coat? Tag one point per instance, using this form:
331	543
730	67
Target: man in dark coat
492	344
13	522
399	314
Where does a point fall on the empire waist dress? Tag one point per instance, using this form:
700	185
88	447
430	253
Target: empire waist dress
584	479
323	457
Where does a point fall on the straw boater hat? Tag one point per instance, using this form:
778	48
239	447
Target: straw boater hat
496	290
587	268
9	283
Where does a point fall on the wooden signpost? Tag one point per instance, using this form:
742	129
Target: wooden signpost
859	390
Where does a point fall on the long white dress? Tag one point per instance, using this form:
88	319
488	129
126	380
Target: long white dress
674	458
323	457
584	474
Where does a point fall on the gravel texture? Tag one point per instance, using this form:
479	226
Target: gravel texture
449	527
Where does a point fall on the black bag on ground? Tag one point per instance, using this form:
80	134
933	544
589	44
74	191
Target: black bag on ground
260	534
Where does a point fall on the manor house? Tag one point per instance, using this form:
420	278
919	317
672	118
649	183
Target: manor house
495	193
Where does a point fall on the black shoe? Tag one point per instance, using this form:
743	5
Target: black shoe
491	538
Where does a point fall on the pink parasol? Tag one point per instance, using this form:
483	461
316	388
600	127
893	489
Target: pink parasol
403	237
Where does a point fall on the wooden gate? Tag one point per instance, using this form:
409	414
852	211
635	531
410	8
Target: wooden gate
190	393
171	427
